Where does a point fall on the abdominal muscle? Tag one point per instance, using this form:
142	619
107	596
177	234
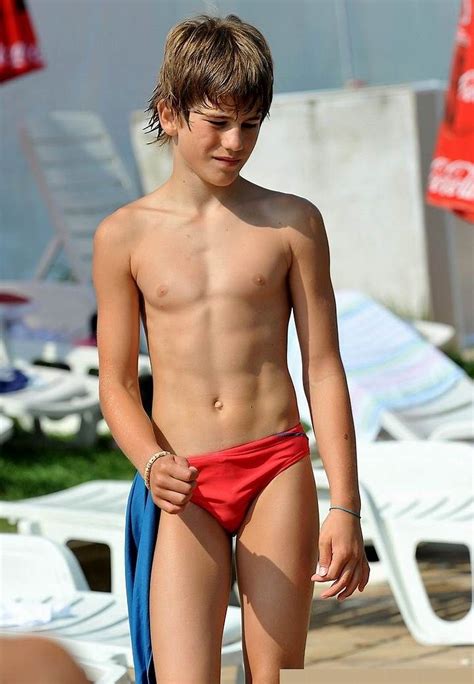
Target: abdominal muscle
216	388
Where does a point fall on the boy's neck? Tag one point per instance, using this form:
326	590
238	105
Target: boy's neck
202	198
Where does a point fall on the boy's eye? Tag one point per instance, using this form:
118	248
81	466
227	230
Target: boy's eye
222	123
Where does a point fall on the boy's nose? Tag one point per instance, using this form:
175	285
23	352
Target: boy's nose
232	140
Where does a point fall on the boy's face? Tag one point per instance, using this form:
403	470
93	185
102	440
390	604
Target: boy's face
216	134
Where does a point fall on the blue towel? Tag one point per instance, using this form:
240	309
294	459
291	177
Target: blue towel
141	528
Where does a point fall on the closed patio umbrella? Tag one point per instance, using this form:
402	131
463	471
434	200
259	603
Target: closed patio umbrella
451	178
19	50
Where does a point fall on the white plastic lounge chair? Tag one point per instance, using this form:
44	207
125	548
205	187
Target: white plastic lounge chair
414	492
56	573
54	393
154	163
98	627
437	334
56	567
92	511
82	180
104	673
399	383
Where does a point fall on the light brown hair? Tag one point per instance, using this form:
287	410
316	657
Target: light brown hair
212	60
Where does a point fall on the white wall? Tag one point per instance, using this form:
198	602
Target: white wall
355	155
362	157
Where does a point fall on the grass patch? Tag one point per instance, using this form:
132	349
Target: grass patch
5	526
32	465
466	364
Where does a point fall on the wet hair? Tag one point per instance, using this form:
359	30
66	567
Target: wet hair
212	61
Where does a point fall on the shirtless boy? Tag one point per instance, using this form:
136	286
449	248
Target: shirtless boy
214	265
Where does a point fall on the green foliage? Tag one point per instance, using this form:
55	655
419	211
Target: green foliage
32	466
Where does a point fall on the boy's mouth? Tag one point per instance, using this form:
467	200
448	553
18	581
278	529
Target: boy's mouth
228	160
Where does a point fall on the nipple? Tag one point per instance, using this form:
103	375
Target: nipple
218	404
259	279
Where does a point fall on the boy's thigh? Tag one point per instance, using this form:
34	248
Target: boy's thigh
189	594
276	554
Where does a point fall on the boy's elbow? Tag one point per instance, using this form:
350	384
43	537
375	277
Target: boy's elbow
321	369
111	388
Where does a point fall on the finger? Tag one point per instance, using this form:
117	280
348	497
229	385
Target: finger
168	483
324	561
339	584
336	567
183	472
183	462
166	505
351	585
171	496
341	560
365	576
170	501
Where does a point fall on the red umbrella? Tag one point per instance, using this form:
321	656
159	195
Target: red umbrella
19	51
451	179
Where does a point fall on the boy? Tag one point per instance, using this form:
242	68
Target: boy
214	264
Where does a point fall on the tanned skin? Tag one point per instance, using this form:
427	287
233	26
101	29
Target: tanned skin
215	264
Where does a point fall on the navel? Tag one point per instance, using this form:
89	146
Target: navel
259	279
218	404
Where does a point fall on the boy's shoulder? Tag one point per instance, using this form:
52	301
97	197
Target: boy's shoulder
290	210
125	222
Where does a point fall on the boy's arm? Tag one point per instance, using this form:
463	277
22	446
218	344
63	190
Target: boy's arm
324	378
341	546
118	340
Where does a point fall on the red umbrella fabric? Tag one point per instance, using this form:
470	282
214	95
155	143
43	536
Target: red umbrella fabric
451	179
19	50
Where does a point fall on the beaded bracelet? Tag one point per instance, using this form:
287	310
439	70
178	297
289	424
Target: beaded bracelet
341	508
154	457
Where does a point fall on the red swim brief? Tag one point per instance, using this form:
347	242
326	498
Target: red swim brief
229	480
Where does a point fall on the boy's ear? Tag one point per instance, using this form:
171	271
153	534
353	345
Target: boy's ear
168	119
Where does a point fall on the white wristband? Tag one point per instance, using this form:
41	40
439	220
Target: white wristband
154	457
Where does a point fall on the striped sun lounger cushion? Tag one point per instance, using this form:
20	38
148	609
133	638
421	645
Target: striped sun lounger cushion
388	364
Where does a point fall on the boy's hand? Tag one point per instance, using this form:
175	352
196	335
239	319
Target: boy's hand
342	554
172	482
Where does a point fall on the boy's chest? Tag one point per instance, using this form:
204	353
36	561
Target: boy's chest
184	266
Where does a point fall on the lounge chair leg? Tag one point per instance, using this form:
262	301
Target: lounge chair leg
87	433
38	432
